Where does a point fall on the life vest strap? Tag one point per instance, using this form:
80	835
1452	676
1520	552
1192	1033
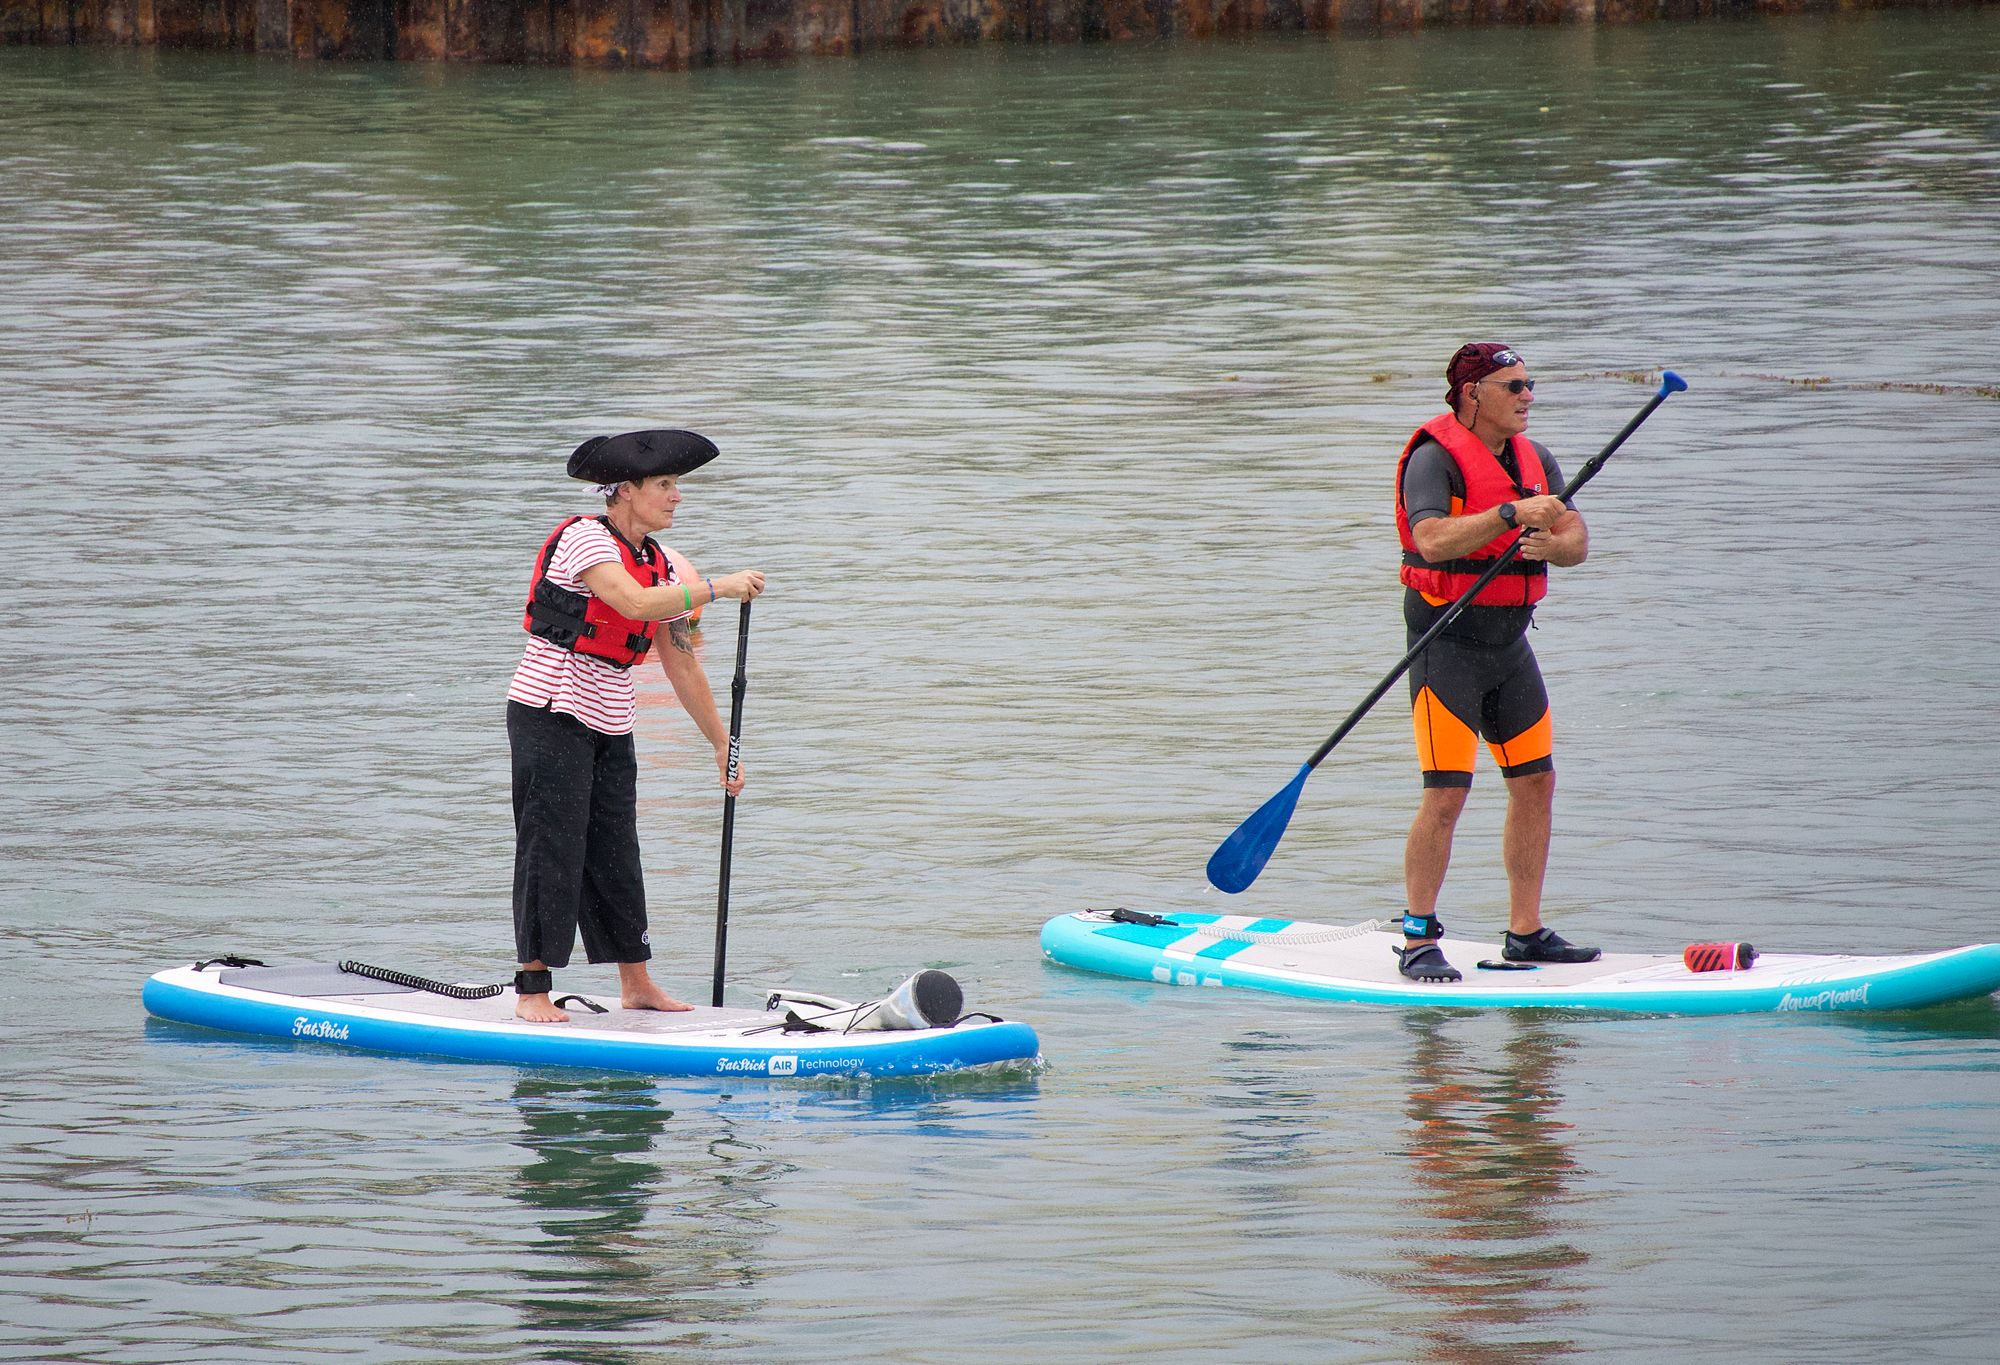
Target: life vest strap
1517	567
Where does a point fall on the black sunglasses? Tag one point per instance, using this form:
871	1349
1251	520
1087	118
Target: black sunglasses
1514	385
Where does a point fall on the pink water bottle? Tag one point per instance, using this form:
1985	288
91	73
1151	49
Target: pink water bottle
1718	957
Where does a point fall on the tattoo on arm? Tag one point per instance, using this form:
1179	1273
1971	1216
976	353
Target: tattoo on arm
680	636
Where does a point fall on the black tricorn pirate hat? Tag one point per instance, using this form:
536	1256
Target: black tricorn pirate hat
640	455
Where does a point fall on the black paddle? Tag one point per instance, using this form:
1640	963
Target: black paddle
736	687
1236	863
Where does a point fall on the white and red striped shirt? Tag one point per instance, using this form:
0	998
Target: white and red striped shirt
595	692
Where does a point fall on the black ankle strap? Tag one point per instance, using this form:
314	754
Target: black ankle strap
534	983
1422	926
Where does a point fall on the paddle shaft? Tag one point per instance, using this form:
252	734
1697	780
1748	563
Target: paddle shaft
737	686
1506	557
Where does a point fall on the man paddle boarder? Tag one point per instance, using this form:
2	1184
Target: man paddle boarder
1469	484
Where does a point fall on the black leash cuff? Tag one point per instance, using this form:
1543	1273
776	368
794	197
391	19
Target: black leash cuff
534	983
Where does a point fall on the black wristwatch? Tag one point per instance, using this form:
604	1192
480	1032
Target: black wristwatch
1506	511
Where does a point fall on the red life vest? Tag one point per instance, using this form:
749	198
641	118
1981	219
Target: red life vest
1487	484
584	623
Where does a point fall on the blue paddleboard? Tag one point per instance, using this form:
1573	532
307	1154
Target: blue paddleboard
1356	964
321	1002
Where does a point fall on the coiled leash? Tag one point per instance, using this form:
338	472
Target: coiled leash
420	983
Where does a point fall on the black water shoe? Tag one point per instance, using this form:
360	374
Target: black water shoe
1544	945
1425	962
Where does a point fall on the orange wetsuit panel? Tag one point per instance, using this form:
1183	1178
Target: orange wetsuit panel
1461	692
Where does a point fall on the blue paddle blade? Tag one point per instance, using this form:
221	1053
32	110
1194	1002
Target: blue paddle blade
1671	383
1235	865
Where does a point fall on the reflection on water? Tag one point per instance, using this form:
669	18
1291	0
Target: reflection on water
1972	1021
1483	1250
1271	1114
641	1225
656	1228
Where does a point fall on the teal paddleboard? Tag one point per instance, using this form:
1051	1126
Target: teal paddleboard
1357	964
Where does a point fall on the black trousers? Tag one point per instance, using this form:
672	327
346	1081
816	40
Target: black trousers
576	841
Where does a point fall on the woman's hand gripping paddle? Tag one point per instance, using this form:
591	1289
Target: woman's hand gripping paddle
1236	863
736	689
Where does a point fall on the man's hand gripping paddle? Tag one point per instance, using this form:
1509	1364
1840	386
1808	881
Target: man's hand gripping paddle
1236	863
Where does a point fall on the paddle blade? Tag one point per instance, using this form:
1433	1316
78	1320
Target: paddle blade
1234	865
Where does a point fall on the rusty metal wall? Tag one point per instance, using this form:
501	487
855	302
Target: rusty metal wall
683	33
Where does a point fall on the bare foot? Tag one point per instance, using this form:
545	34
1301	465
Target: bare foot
649	997
538	1009
637	991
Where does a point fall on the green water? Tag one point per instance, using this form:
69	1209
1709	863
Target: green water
1059	392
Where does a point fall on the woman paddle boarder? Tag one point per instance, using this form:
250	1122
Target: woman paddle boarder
600	591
